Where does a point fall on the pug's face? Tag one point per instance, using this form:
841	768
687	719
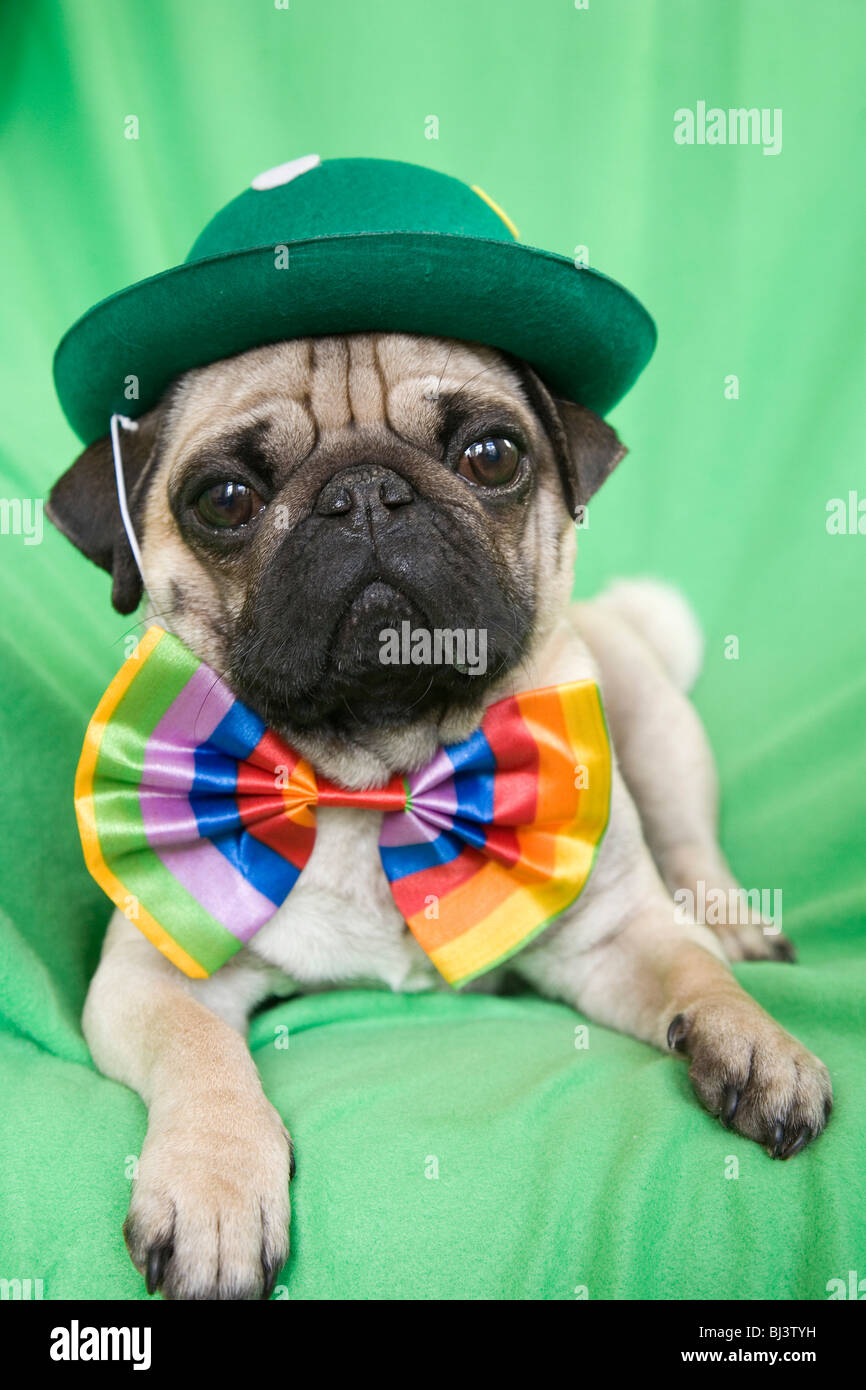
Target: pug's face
364	534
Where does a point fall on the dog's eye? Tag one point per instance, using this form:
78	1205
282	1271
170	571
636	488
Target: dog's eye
228	504
491	462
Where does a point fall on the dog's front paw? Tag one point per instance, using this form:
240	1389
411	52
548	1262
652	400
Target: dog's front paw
209	1213
752	1074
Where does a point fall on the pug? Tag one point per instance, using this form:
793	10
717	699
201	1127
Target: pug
292	503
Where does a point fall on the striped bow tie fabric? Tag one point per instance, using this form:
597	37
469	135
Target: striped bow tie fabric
197	819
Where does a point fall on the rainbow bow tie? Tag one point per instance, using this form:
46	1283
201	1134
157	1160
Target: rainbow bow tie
197	820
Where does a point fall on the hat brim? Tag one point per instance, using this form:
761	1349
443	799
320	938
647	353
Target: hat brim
586	336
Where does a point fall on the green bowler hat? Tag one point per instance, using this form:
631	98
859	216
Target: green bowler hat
348	246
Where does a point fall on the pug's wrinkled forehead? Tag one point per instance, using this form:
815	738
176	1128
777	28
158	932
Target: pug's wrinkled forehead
296	392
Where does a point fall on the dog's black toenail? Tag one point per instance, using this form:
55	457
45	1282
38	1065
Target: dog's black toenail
799	1143
292	1164
729	1106
778	1137
677	1031
158	1257
270	1270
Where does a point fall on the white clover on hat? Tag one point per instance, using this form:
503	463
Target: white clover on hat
284	173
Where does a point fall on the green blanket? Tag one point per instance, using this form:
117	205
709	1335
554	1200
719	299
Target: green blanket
465	1147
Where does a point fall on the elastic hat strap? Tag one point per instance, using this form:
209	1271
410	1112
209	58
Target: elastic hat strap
114	431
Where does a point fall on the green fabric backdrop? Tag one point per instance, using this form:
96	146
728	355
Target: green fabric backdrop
558	1168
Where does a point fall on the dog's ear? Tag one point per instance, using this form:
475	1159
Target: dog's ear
592	451
587	448
83	505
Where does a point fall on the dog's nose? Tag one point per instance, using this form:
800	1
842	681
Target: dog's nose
366	489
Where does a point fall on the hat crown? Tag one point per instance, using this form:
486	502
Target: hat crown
377	246
349	197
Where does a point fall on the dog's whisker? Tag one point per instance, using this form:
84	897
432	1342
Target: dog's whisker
452	396
149	619
445	368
